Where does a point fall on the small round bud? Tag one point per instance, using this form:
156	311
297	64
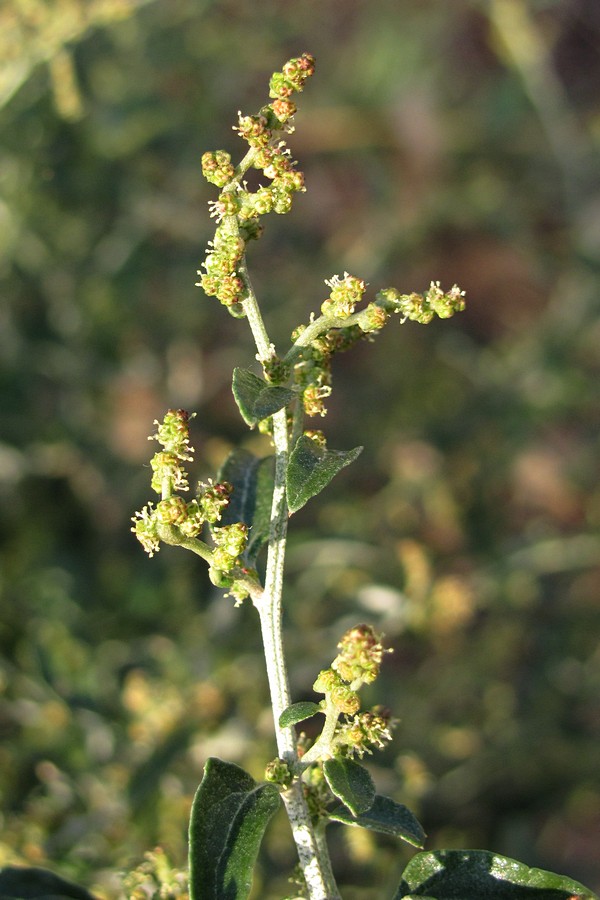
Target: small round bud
373	318
212	499
360	655
167	468
276	372
171	511
231	539
278	772
228	204
284	109
231	290
280	86
173	433
345	699
217	168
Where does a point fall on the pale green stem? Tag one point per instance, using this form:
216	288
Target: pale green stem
316	328
322	747
313	856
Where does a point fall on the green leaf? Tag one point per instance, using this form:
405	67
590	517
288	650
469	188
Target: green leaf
386	816
27	882
255	398
351	783
229	816
311	468
473	874
252	480
298	712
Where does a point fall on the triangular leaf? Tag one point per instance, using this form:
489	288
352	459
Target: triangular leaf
351	783
386	816
298	712
450	874
255	398
29	882
252	480
229	815
311	468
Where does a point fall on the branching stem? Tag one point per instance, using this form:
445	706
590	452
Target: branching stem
312	853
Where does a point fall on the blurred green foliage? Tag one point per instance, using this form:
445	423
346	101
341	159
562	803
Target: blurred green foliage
450	141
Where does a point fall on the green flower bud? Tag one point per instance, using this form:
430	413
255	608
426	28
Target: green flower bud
212	499
282	202
422	307
209	284
360	656
445	304
341	694
280	86
299	69
284	109
254	129
278	772
364	731
145	529
171	511
345	293
231	290
345	699
167	468
276	372
173	433
227	204
194	520
231	538
373	318
261	202
217	168
326	681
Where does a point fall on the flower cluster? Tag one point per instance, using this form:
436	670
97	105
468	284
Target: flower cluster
359	659
278	772
156	877
341	326
364	731
357	663
345	293
237	209
348	731
151	524
423	307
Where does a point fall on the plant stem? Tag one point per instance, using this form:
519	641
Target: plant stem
313	855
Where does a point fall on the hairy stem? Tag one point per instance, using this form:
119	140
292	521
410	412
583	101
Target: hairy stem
313	855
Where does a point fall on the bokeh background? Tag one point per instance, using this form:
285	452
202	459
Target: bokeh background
440	140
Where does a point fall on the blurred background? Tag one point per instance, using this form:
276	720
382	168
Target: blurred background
453	141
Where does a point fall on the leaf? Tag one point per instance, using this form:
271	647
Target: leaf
387	817
255	398
229	816
466	874
351	783
298	712
27	882
252	480
311	468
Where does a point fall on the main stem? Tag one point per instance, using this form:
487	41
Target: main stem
312	853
